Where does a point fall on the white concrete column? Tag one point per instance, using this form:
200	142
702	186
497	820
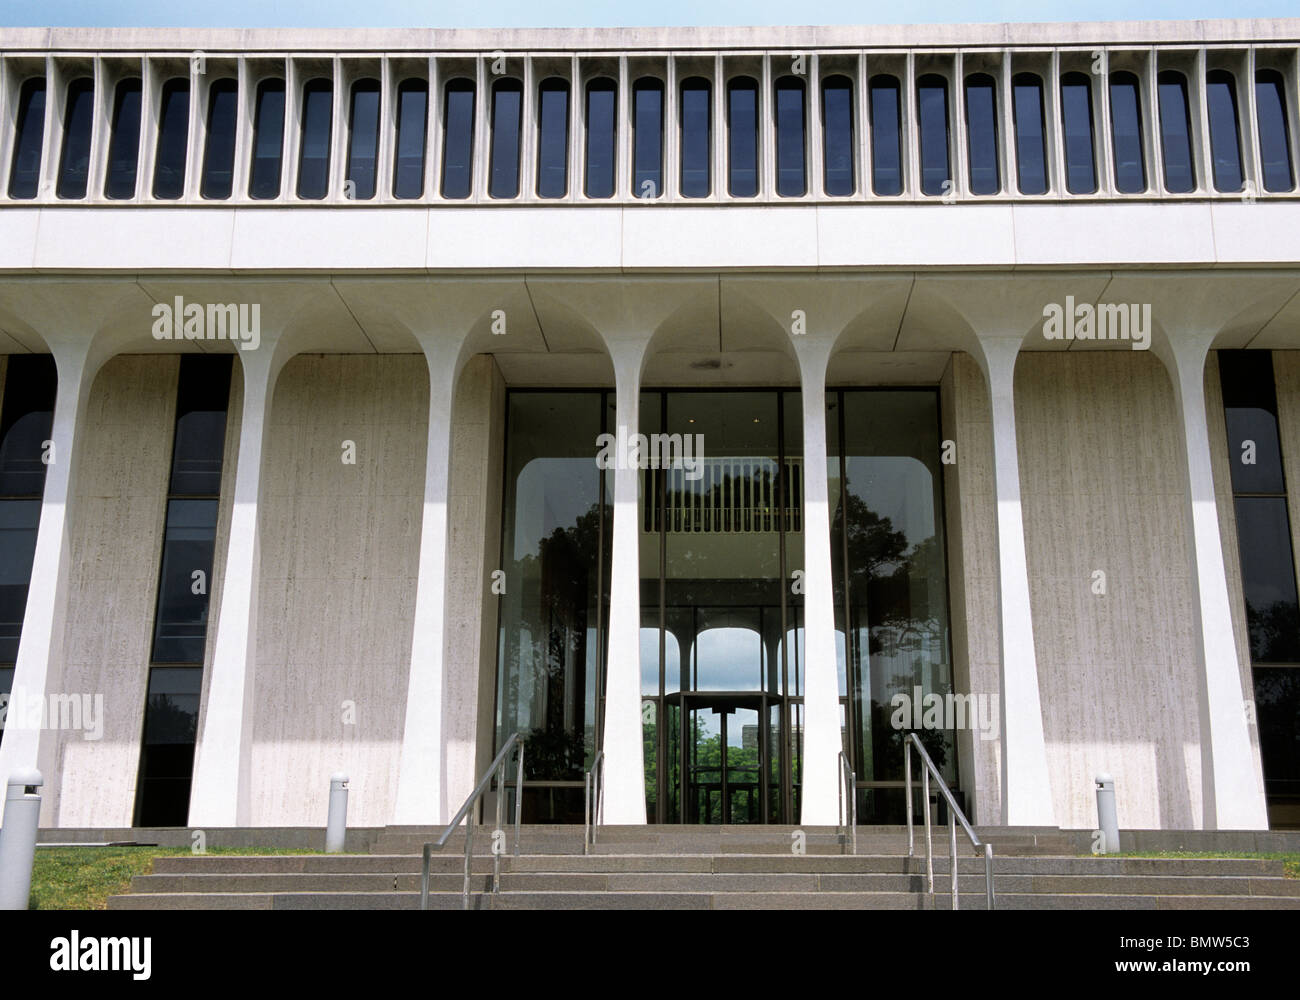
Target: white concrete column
821	734
422	780
219	795
1026	787
40	648
1232	788
622	739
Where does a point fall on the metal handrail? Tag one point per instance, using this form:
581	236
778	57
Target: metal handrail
847	772
496	769
591	817
954	815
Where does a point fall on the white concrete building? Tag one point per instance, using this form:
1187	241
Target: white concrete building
967	360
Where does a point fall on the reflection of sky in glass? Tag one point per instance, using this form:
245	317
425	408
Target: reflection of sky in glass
896	487
729	659
551	493
650	659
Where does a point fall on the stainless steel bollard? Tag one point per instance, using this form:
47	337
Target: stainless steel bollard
1107	820
337	826
22	816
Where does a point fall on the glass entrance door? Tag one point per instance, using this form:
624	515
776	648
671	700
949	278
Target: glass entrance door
725	752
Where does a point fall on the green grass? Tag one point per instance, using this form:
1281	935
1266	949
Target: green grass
82	878
1290	859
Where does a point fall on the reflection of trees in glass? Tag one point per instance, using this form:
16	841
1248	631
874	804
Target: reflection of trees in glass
169	722
1274	632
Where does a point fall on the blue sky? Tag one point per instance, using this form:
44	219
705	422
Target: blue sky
585	13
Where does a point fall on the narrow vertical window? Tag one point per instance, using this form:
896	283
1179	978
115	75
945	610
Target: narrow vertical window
886	135
1175	132
173	140
363	139
29	132
647	138
1126	133
742	137
791	138
268	140
1274	141
553	138
412	121
1076	121
837	135
932	113
78	119
124	141
1031	133
317	126
982	134
1225	135
219	147
458	139
503	170
697	149
602	96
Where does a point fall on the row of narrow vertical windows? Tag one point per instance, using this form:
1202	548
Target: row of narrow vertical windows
789	108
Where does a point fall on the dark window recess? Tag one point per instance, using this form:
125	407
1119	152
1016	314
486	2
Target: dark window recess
982	134
363	144
171	718
6	686
553	139
173	140
25	168
412	123
647	138
837	135
503	168
218	179
1274	137
18	523
1175	132
886	136
268	140
458	139
932	111
1126	134
1031	133
78	119
602	97
791	141
1277	711
124	141
314	156
696	118
1225	135
1076	116
742	137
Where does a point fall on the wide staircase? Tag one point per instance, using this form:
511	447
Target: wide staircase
729	867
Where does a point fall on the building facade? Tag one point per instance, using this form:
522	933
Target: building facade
729	401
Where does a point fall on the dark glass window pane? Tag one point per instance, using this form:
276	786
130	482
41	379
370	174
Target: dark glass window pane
503	172
1268	579
25	169
791	180
268	140
219	149
553	139
182	617
1225	141
458	139
78	119
173	140
932	109
1250	410
412	120
1126	129
837	134
314	156
363	149
1031	133
173	709
124	141
886	136
1175	132
6	686
1076	116
1277	710
742	137
1274	134
601	99
25	422
697	113
19	520
982	134
202	398
167	755
647	138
